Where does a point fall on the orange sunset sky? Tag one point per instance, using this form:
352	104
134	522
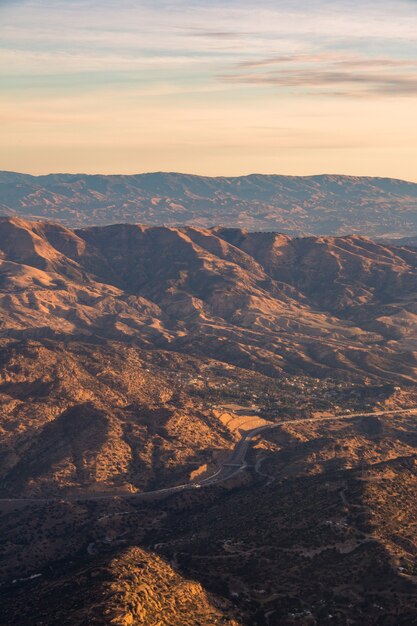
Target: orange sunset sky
209	87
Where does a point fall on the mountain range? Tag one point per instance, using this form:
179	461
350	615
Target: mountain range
296	205
138	358
271	302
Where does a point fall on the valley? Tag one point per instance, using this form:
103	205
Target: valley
251	542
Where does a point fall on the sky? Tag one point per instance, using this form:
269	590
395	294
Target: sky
209	87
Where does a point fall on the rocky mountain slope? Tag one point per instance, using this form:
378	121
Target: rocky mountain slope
136	587
320	205
255	300
133	357
117	343
329	540
102	418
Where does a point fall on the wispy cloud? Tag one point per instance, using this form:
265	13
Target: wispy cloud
222	35
330	74
329	58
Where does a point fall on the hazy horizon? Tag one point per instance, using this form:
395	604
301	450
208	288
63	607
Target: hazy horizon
214	176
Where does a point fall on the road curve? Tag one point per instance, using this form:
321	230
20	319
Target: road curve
235	463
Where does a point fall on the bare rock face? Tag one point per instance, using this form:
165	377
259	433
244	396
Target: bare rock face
330	205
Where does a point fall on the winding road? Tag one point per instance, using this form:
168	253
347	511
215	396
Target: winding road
235	463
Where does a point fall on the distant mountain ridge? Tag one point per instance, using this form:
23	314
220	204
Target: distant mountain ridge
315	205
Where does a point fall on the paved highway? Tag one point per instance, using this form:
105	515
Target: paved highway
235	463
